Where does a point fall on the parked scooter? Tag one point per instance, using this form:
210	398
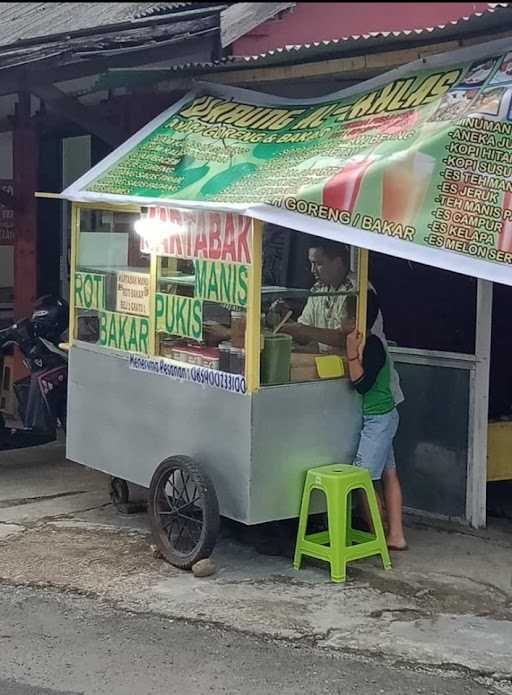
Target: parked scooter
42	396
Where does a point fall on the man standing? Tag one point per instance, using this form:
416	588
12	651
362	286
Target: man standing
329	317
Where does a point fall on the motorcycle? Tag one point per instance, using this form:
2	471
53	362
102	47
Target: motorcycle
42	395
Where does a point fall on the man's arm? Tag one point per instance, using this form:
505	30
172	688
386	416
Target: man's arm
310	334
304	331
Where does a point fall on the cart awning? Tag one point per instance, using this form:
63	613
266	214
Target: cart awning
416	163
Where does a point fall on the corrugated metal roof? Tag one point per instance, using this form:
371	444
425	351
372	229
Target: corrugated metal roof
70	50
88	37
142	31
498	17
20	21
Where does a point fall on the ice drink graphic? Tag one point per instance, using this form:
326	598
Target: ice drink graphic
405	182
505	236
342	189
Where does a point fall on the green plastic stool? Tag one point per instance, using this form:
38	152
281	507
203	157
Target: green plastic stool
340	543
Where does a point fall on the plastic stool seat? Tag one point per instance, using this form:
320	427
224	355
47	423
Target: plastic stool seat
340	543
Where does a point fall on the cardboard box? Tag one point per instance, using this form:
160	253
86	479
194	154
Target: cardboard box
499	447
303	359
303	374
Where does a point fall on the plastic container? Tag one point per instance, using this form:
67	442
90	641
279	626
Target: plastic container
210	362
237	361
224	350
190	355
179	355
167	348
194	357
210	358
238	329
275	359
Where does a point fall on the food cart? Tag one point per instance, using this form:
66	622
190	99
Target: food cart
229	429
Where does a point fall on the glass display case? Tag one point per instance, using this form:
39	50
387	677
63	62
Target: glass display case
111	282
188	287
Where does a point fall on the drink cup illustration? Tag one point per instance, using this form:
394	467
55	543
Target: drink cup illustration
341	191
405	183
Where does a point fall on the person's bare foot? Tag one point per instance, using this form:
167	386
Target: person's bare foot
397	543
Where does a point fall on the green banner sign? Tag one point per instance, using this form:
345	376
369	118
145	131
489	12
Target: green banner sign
89	291
417	164
124	332
225	283
178	315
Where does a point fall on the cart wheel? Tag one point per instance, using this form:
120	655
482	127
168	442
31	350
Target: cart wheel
183	511
119	492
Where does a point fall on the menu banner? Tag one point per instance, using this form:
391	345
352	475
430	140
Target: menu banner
196	234
123	332
416	163
178	315
89	291
225	283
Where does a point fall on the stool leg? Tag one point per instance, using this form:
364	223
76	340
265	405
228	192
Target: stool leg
380	536
303	523
349	520
337	516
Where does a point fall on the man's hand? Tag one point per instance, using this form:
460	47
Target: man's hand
293	328
277	312
354	345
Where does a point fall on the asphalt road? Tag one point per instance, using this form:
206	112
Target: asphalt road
60	644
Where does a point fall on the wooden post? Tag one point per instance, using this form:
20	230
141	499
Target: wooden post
363	290
253	323
75	227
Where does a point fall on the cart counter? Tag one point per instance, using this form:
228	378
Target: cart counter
256	447
189	338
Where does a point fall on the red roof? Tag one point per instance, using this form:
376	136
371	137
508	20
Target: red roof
321	21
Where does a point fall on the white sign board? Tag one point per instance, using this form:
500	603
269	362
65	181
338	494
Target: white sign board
132	295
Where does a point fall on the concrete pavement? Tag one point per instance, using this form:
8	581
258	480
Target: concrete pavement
447	603
38	482
54	644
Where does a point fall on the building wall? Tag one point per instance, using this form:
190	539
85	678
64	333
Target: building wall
6	229
322	21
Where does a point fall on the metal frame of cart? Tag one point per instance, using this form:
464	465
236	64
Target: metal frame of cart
128	413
